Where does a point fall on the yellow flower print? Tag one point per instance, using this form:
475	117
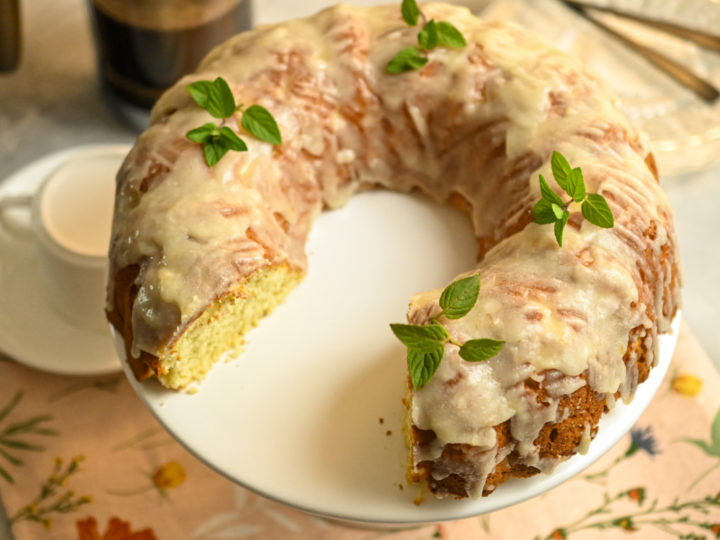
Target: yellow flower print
687	385
170	475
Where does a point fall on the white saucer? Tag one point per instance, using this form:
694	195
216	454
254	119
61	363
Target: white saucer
297	416
31	332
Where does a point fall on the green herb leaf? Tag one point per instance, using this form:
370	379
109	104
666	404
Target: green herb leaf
558	212
576	184
449	36
200	92
428	36
408	59
543	212
202	133
548	194
214	150
560	227
231	141
460	296
410	12
715	431
221	102
259	122
704	446
478	350
596	210
422	365
560	168
420	337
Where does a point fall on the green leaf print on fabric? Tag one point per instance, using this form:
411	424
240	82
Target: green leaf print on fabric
13	435
674	518
711	448
54	497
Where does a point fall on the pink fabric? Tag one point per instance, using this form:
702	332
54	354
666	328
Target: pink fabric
110	471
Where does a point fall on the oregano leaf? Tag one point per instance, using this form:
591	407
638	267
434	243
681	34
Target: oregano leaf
408	59
460	296
596	210
449	36
428	36
422	365
221	102
548	194
213	150
200	91
560	169
543	212
258	121
560	227
410	12
478	350
231	141
202	133
576	184
420	337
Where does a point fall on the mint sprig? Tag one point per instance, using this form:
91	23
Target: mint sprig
433	34
552	209
217	99
426	343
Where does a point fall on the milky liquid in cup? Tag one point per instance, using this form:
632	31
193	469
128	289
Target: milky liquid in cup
144	46
77	214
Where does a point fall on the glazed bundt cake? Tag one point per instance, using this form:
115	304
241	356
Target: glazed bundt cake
199	254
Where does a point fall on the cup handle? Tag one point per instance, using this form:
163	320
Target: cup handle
16	228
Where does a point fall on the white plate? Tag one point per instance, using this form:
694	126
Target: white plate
296	417
31	331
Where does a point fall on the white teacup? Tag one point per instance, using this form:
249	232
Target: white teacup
69	219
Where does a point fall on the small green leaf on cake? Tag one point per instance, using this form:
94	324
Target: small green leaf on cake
552	209
420	337
560	227
449	36
202	133
479	350
422	365
560	169
576	185
543	212
428	36
596	210
231	141
459	297
548	194
426	343
213	150
410	12
217	99
259	122
408	59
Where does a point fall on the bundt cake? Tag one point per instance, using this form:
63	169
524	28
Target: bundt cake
198	254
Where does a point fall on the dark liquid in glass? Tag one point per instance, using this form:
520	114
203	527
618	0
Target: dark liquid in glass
138	62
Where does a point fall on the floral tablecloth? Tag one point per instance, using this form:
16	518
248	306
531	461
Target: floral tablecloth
82	458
